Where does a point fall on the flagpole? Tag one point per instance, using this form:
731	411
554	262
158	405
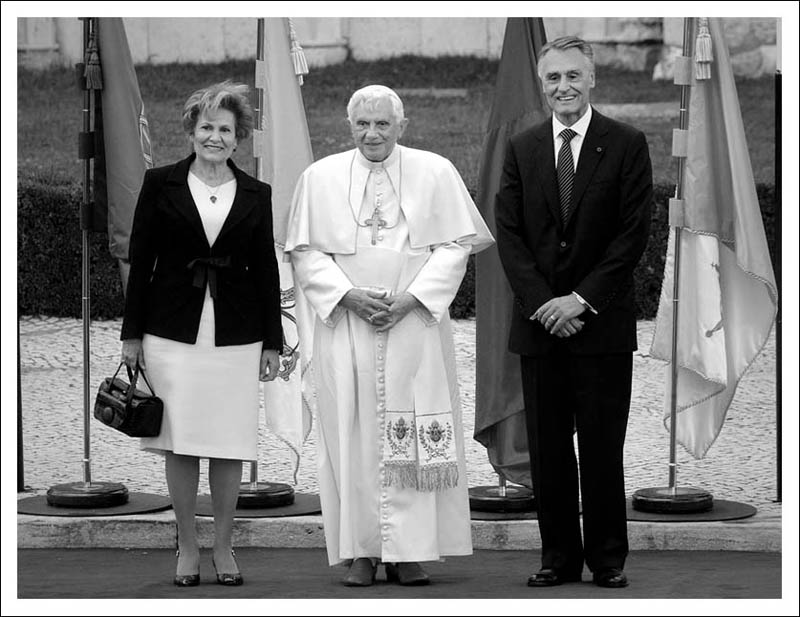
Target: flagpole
255	494
20	453
87	494
778	257
683	123
499	415
86	216
671	499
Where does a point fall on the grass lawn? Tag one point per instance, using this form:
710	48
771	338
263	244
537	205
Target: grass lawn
50	118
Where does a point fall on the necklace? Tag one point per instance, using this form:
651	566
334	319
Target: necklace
375	221
212	195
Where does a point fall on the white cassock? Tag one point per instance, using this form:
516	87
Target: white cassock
430	226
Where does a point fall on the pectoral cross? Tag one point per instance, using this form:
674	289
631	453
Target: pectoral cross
377	223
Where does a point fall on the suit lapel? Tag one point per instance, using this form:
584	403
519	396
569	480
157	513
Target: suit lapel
592	150
181	197
243	202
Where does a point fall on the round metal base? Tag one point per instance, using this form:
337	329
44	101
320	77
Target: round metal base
87	495
675	500
478	515
492	499
303	505
138	503
722	511
264	495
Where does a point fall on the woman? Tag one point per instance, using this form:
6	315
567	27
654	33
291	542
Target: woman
202	315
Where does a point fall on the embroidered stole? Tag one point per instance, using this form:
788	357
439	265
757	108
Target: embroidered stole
419	445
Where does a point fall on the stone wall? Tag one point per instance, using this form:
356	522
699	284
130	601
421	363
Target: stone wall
371	38
752	45
632	43
635	43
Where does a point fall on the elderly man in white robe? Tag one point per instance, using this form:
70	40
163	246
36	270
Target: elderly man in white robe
379	238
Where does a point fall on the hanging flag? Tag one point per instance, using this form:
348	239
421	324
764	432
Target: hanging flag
122	137
519	103
283	148
727	294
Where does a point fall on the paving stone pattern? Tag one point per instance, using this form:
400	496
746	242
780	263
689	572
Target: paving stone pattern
740	466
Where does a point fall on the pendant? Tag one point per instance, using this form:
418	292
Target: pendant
213	199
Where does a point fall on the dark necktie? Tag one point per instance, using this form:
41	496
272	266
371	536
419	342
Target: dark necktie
566	173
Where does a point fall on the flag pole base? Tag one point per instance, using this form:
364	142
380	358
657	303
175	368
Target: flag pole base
264	495
502	498
87	495
672	500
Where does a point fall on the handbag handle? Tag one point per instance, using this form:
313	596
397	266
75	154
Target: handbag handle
133	378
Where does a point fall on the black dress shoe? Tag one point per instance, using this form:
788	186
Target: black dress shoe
231	579
547	577
407	573
187	580
613	577
361	573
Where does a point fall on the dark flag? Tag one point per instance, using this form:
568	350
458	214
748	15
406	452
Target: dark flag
519	103
122	138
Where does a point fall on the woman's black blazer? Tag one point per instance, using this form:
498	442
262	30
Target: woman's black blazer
171	263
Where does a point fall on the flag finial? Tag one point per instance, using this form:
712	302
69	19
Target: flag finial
298	57
703	55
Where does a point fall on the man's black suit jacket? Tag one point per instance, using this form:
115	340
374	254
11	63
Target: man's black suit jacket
594	254
166	286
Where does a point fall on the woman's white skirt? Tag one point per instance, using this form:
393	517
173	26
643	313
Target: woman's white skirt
210	394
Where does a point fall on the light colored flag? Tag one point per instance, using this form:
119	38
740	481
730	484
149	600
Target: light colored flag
727	294
121	129
284	149
519	104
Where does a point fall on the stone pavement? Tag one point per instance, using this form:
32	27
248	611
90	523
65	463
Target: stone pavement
271	574
740	466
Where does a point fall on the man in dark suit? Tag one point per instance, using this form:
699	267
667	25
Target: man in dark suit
573	214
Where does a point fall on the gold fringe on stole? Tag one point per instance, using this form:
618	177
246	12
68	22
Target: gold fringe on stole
407	474
438	477
402	474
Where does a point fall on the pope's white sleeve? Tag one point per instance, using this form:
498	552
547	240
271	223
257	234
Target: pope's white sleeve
437	282
323	282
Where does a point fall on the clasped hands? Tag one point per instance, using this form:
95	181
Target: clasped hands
378	308
559	316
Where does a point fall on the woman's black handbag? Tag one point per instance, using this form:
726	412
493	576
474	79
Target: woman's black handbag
123	407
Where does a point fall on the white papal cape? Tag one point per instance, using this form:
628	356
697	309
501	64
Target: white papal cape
431	226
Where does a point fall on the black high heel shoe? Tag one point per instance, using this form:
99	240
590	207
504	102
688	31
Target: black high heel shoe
226	578
186	580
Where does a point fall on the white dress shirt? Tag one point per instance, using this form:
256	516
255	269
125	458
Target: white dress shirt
580	128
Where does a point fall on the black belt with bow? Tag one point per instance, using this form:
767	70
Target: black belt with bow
205	271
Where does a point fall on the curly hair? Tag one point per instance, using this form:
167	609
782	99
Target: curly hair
227	95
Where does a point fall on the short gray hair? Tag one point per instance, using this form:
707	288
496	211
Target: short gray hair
370	96
564	43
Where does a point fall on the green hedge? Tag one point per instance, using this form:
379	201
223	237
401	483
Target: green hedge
49	264
49	254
